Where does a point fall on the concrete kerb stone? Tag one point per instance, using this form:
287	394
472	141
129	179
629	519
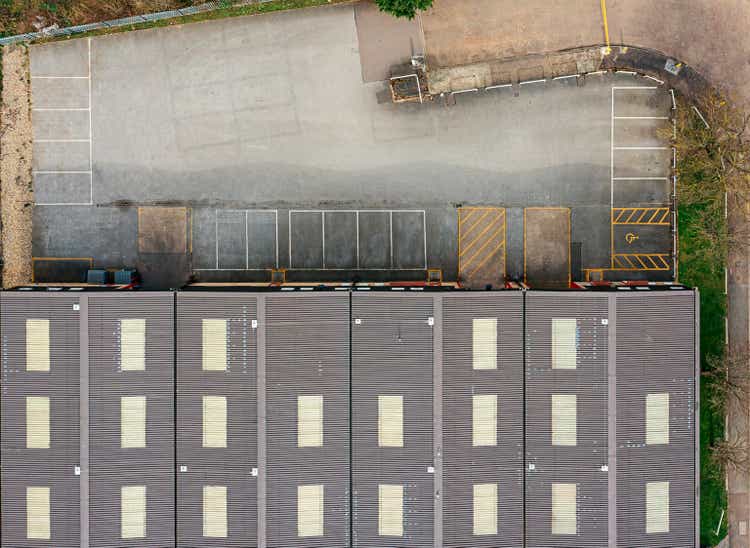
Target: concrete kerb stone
568	63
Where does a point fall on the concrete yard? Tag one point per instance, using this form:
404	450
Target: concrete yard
263	128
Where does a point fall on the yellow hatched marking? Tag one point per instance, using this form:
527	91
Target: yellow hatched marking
479	236
474	251
640	216
487	258
641	261
476	224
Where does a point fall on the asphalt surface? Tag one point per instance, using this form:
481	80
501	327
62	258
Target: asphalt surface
257	134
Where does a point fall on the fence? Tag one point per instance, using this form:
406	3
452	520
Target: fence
125	21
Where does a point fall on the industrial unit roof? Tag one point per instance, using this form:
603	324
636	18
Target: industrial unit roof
352	418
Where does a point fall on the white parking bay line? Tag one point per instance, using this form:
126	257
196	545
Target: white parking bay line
91	133
356	212
53	109
641	148
62	140
48	172
641	117
640	178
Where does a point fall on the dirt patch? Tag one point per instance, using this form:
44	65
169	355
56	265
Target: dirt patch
461	32
162	230
16	193
547	247
384	41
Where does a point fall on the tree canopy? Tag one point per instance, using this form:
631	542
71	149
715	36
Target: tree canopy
403	8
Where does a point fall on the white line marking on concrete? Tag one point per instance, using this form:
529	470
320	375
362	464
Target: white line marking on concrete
276	224
652	78
51	172
390	230
630	72
390	213
351	269
91	133
566	76
674	103
641	148
498	86
596	72
641	117
59	109
464	91
640	178
424	234
357	239
62	140
62	204
542	80
356	210
231	269
612	157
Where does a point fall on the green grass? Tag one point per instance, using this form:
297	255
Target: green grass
220	13
699	270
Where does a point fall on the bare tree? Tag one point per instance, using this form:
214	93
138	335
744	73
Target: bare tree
729	376
732	454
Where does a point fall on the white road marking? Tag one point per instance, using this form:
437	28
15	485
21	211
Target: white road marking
640	178
51	172
424	235
652	78
641	148
635	88
641	117
55	109
90	171
91	134
390	229
357	239
61	204
498	86
390	213
62	140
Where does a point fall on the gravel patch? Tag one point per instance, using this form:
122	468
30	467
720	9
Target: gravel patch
16	192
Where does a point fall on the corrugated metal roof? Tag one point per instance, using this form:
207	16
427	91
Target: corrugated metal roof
363	419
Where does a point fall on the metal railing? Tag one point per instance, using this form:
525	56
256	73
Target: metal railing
126	21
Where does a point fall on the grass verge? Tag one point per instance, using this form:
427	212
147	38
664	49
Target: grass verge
702	252
698	271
